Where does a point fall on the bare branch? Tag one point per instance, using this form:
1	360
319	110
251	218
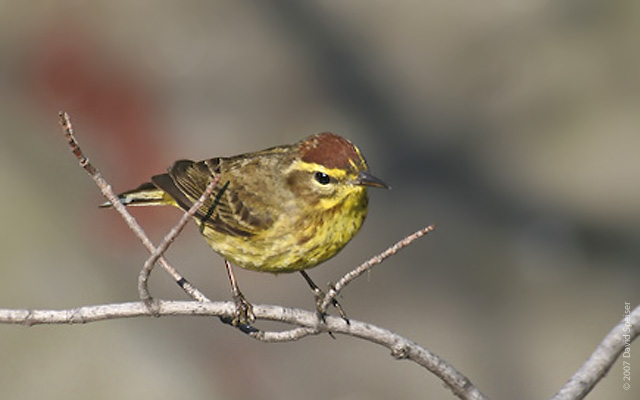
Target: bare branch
400	347
143	278
370	263
107	191
602	359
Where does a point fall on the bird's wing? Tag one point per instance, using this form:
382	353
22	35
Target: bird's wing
226	210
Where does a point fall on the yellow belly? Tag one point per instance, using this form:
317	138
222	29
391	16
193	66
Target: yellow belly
294	243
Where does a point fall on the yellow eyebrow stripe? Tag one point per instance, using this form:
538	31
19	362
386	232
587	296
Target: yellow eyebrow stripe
313	167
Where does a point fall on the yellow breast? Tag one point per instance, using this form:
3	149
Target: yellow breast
296	240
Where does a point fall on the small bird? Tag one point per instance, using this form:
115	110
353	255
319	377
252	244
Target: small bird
283	209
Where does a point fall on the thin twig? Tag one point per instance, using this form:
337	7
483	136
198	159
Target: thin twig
400	347
143	278
335	289
105	188
602	359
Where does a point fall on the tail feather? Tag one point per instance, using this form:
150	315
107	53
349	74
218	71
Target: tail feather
146	194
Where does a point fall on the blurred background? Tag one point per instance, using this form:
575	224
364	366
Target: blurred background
512	125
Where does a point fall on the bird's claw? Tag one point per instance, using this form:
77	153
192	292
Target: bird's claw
244	311
320	296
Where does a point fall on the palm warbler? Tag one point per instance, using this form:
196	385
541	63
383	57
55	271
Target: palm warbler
283	209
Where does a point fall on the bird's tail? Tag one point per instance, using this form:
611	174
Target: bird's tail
146	194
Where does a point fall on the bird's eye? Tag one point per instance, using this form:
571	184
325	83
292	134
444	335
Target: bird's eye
322	178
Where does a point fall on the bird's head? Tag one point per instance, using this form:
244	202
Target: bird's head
329	169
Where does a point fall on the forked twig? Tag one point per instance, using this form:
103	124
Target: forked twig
105	188
143	278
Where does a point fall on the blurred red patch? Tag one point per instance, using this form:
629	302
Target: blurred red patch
113	111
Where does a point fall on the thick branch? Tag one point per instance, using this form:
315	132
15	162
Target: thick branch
400	347
601	361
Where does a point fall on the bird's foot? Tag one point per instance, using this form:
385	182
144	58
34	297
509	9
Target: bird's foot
244	311
320	296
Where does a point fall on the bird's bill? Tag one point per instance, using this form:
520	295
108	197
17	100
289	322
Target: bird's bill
366	179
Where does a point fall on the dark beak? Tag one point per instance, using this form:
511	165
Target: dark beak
366	179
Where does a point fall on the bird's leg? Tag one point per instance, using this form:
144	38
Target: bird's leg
319	294
244	309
